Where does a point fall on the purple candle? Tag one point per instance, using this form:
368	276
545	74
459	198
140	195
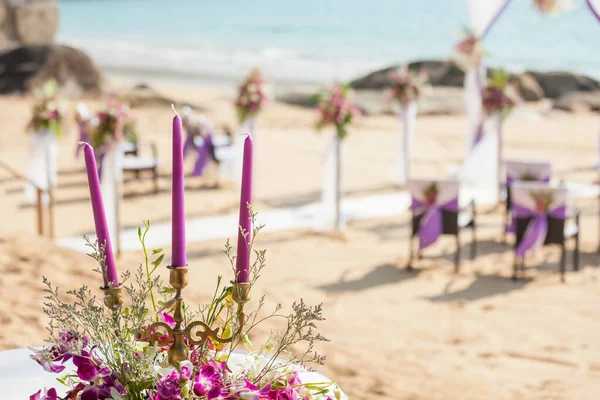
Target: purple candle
110	274
177	200
245	222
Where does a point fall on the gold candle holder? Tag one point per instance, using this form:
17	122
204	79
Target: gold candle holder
113	297
197	332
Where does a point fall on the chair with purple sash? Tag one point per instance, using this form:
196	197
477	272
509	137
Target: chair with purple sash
435	212
540	214
523	171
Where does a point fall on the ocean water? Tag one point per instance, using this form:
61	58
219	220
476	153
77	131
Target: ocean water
314	41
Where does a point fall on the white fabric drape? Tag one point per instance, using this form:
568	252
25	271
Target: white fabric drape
483	14
42	165
482	167
401	169
231	161
475	77
332	184
111	182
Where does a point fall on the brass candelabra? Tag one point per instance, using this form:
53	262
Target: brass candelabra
196	332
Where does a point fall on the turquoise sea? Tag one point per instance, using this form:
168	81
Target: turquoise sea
314	41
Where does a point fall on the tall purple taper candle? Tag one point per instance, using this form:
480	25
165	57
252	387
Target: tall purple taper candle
177	199
245	222
110	275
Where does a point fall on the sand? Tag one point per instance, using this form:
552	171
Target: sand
428	334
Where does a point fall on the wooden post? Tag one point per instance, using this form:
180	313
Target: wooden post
40	212
118	216
338	168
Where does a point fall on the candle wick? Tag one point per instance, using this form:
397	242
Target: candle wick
245	134
173	108
82	143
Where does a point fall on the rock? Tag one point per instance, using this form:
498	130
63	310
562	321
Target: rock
35	23
557	84
377	80
582	101
442	101
438	100
441	73
28	66
3	38
529	88
306	98
143	95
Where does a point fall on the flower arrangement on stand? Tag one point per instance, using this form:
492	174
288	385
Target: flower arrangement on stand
468	51
499	97
47	114
407	86
553	6
44	127
113	123
335	110
251	96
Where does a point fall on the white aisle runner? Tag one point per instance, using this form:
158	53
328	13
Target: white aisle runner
281	219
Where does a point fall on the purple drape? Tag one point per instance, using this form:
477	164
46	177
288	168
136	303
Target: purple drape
536	231
204	152
430	227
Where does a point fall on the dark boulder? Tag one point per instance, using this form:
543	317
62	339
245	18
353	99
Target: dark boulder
25	67
441	73
557	84
579	101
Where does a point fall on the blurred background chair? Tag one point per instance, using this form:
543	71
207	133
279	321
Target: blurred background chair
522	171
436	211
540	214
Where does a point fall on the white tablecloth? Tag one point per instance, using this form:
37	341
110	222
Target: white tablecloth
20	376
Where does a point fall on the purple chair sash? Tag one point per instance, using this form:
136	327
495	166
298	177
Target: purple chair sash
511	228
536	231
430	227
204	152
188	145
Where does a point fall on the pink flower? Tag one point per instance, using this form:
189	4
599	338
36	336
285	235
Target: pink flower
467	45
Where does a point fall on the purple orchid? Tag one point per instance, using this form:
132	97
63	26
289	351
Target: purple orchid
49	394
167	388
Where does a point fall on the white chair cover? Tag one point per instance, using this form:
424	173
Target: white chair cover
111	181
42	165
448	189
332	180
518	169
401	169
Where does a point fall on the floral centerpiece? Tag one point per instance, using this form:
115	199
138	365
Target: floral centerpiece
335	109
113	123
47	114
468	50
553	6
407	85
499	97
251	96
117	355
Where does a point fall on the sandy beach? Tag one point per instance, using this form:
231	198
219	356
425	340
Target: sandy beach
428	334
